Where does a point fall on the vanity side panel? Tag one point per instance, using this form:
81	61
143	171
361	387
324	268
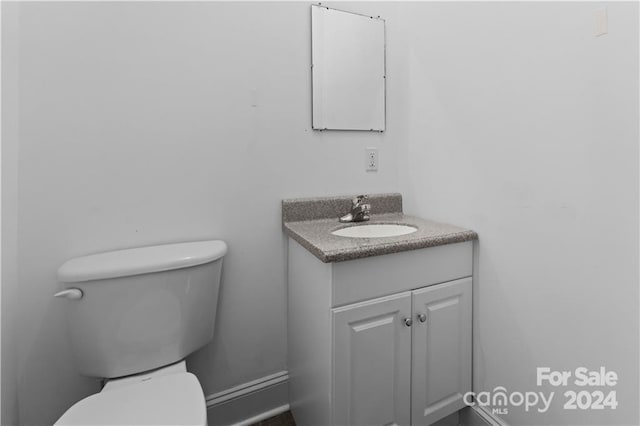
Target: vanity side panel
309	336
376	276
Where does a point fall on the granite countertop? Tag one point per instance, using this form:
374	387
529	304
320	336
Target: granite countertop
315	234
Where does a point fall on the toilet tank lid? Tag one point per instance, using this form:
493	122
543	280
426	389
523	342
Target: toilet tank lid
141	260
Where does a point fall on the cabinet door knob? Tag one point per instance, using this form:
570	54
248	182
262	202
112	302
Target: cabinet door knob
422	317
408	322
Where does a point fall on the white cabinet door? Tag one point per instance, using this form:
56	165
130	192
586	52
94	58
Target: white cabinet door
441	350
372	362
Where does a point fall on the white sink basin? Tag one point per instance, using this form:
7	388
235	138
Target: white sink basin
375	231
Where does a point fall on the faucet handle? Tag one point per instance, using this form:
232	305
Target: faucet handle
360	199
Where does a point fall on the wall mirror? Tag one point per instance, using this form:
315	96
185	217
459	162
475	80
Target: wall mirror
348	70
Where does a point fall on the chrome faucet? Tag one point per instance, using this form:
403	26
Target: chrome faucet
360	209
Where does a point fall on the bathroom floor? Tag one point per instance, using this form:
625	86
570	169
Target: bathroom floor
284	419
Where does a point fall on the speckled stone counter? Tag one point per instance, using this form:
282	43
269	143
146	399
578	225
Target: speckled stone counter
315	233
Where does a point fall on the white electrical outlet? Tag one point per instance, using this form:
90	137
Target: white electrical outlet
601	24
371	159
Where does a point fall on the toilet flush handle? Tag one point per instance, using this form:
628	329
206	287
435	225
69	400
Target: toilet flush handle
70	293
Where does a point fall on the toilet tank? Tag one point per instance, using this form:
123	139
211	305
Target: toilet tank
142	308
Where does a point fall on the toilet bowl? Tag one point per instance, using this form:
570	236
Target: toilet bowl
133	316
159	398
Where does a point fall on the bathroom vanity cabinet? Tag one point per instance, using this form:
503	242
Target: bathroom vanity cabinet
380	340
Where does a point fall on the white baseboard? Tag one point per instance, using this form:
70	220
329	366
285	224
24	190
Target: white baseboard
263	416
485	416
250	402
268	396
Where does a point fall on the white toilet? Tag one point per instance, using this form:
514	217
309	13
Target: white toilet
133	316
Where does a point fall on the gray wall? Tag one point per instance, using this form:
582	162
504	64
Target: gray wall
137	127
10	71
133	125
524	127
